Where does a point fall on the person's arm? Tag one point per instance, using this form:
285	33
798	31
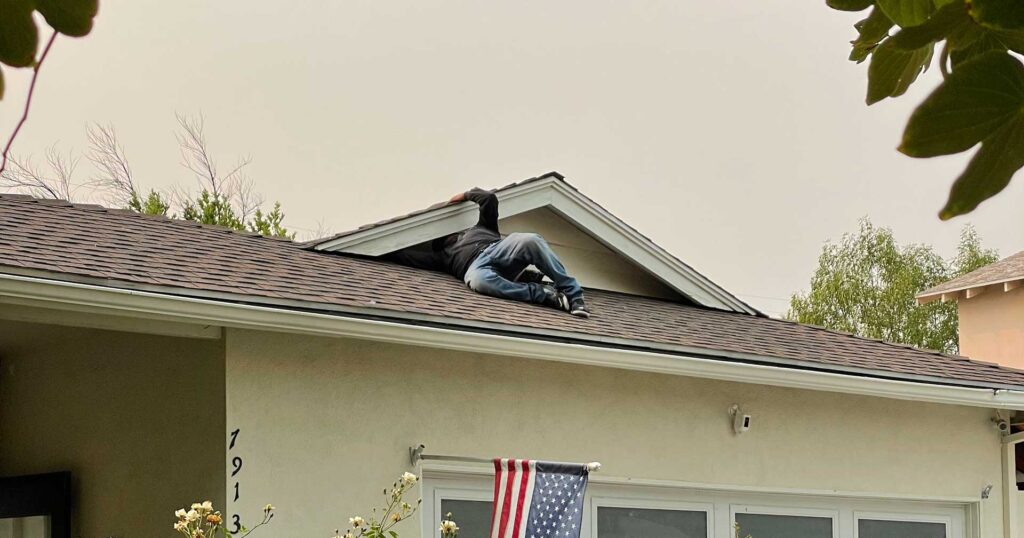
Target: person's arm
418	258
488	203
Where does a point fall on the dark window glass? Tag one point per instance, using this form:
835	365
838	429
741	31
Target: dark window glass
778	526
874	528
472	517
648	523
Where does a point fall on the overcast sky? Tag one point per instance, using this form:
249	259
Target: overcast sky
732	133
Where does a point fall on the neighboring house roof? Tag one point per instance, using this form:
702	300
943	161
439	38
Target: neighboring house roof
124	250
1009	272
550	191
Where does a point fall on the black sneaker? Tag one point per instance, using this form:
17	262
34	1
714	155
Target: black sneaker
578	308
555	299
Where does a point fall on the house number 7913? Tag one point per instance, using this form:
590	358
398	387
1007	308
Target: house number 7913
236	467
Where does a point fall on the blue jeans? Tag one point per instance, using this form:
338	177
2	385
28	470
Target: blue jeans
492	271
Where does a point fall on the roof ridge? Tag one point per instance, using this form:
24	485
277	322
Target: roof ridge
22	198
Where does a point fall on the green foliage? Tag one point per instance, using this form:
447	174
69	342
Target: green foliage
217	209
214	209
866	284
981	97
270	224
153	204
19	36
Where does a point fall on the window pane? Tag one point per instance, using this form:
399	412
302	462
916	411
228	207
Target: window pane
775	526
472	517
25	527
873	528
647	523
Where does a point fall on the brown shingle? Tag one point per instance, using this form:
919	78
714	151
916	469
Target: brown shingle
128	250
1005	270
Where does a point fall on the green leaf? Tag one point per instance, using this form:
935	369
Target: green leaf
986	42
69	17
1004	14
872	30
849	5
893	70
982	100
949	20
907	13
980	97
989	172
19	37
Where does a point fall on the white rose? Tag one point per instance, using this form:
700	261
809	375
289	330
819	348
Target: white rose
356	522
196	506
179	513
409	478
192	515
208	506
449	527
180	526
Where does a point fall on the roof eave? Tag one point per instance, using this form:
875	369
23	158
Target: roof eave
61	294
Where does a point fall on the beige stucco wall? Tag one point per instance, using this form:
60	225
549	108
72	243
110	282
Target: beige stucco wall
593	264
992	326
137	419
327	422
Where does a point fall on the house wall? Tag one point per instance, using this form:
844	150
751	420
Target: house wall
137	419
325	423
992	327
592	263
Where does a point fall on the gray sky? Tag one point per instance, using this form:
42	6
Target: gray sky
733	133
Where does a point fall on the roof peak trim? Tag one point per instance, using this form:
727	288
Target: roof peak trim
551	191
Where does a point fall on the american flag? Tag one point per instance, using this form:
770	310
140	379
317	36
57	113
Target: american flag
537	499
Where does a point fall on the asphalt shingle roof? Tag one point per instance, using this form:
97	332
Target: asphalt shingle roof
121	249
1004	270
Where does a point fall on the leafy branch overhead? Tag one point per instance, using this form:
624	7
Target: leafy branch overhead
981	98
19	36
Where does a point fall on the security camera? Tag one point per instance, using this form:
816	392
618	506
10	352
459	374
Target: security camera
740	421
1002	425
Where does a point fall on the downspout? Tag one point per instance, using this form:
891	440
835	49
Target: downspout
1009	458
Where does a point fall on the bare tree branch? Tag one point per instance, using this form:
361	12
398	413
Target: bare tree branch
24	176
114	175
195	155
63	168
28	102
245	196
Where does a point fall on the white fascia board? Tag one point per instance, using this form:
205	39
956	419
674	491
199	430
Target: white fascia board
623	239
429	225
59	294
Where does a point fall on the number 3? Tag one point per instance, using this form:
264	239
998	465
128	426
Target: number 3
238	523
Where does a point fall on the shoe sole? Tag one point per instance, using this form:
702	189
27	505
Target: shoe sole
581	314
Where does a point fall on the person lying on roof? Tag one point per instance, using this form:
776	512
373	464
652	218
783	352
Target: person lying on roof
497	266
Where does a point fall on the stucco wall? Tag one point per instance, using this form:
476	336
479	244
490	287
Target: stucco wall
992	327
327	422
137	419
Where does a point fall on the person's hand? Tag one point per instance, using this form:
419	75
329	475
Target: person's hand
461	197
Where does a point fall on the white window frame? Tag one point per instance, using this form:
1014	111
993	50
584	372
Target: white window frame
787	510
902	517
720	502
643	503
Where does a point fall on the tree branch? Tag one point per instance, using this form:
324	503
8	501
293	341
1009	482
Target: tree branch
28	101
